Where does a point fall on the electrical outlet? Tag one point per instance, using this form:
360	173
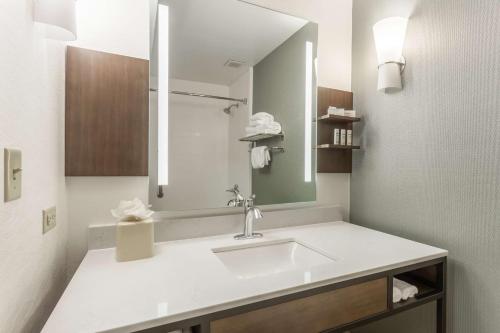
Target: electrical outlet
49	219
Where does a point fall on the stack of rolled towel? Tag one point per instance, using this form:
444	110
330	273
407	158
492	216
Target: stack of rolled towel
402	291
262	123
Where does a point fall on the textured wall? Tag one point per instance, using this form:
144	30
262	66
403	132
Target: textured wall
429	169
32	265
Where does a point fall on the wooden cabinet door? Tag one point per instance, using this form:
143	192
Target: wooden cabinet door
107	114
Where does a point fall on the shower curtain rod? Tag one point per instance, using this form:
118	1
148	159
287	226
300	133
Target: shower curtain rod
243	100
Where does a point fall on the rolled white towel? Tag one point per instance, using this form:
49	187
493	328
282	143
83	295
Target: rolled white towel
407	290
262	116
260	157
396	295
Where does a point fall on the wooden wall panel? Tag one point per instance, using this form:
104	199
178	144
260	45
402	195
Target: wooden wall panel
332	97
107	114
329	160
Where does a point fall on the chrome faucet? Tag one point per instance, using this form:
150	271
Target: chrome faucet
252	213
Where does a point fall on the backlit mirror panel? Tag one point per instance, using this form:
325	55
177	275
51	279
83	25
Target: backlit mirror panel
219	70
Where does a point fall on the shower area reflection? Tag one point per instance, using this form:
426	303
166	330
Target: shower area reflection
209	159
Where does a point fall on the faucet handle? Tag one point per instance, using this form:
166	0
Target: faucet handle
235	189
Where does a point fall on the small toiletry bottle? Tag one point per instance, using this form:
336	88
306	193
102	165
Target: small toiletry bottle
342	137
336	136
349	138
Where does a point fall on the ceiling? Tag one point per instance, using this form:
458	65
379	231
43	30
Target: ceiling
204	35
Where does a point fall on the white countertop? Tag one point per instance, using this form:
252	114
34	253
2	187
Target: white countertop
185	278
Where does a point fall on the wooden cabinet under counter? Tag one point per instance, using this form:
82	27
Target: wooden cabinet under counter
314	313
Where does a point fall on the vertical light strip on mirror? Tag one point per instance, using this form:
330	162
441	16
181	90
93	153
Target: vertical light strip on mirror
163	41
308	113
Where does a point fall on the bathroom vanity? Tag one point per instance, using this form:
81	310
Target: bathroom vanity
327	277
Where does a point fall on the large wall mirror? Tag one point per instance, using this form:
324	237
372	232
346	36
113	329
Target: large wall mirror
232	105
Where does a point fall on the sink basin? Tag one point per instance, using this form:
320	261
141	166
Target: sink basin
252	260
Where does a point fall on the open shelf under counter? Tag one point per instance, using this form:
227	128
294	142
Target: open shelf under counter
331	146
258	137
338	119
426	293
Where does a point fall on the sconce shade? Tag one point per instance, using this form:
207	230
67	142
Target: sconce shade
389	37
58	16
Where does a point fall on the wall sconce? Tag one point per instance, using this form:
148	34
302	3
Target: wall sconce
389	37
58	16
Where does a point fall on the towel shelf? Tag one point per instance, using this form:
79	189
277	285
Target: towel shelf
277	149
338	119
331	146
258	137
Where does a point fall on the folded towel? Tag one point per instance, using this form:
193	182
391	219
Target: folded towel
407	290
271	128
260	122
335	111
396	295
260	157
262	116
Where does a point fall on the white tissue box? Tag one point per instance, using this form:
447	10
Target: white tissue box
134	240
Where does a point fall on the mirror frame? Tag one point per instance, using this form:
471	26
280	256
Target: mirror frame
156	191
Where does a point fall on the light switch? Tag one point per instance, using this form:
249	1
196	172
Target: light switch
49	219
12	174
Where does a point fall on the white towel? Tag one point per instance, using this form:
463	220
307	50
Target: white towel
396	295
271	128
335	111
262	116
260	157
259	122
407	290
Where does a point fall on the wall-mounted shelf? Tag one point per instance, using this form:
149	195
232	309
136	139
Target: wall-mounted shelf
338	119
331	146
258	137
333	158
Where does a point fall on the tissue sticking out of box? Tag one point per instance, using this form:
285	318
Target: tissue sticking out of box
132	211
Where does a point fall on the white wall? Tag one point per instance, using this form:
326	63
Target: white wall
32	265
114	26
206	157
120	27
334	18
198	149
